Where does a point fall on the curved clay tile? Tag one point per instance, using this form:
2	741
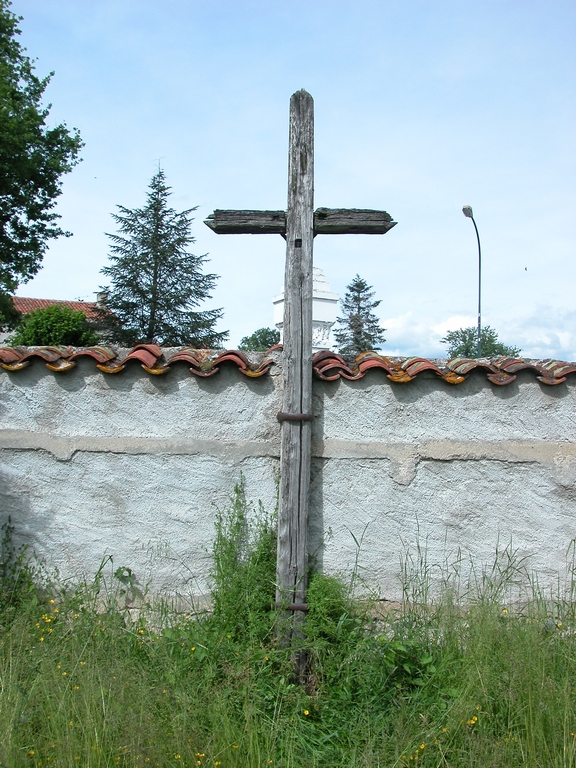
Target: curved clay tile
327	365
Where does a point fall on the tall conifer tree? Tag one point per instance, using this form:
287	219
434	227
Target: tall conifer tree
359	330
156	283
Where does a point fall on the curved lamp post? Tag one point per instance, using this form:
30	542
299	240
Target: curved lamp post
467	211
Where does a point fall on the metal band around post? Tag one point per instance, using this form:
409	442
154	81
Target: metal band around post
281	416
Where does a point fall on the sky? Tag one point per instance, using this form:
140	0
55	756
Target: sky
421	107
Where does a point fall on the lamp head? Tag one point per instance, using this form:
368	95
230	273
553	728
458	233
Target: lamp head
467	211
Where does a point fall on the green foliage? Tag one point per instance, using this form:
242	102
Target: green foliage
9	315
54	325
156	283
464	343
33	158
244	568
17	572
450	682
359	329
260	341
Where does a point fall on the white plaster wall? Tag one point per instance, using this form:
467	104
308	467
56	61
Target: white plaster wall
136	466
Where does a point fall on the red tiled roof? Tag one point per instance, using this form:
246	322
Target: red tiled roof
25	306
327	365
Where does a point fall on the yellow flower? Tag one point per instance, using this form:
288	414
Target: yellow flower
177	757
422	745
444	730
504	611
51	602
306	712
217	762
76	687
234	746
193	648
30	752
41	639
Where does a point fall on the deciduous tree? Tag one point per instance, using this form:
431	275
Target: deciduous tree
33	159
260	340
464	343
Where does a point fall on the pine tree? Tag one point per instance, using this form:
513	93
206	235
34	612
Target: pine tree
156	283
359	329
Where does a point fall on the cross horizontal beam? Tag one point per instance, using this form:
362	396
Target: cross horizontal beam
327	221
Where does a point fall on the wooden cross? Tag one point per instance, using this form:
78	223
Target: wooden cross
299	224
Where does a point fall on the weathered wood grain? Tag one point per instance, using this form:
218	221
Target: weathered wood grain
295	452
247	222
351	221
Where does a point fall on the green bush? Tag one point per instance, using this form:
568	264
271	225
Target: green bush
54	325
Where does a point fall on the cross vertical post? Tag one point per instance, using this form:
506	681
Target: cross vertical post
298	224
295	451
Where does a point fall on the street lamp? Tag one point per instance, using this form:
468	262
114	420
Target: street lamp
467	211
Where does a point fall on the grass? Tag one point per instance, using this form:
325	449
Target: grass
483	677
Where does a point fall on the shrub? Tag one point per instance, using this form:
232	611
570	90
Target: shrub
52	326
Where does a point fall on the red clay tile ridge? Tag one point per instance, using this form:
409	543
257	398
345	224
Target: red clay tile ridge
202	362
499	371
327	365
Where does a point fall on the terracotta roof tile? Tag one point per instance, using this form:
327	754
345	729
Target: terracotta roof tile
327	365
25	305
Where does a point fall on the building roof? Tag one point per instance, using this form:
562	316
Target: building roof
327	365
25	305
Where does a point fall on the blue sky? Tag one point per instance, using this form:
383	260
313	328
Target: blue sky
420	108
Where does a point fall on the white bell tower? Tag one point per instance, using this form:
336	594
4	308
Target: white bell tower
324	311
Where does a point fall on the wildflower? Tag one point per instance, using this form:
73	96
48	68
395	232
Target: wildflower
75	616
51	602
76	687
504	611
235	746
422	745
58	666
30	752
41	639
164	691
306	712
559	625
177	757
82	663
193	648
217	762
71	723
64	674
444	730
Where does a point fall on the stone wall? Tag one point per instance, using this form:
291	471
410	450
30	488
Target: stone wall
136	466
